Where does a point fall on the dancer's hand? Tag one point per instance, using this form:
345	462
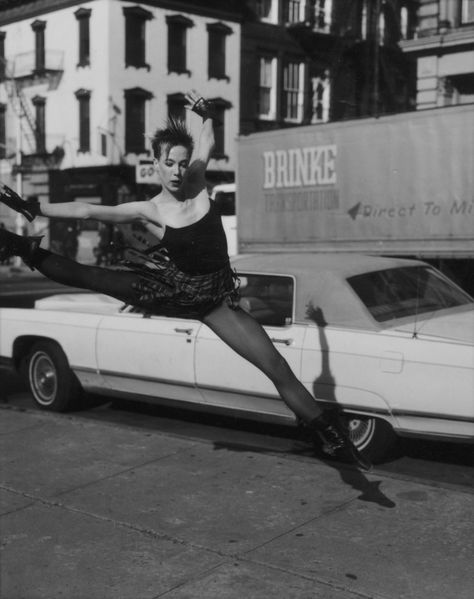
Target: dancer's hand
204	108
192	97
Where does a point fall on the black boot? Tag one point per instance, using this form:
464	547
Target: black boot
336	441
15	245
29	208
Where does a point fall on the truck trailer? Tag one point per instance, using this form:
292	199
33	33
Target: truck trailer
398	185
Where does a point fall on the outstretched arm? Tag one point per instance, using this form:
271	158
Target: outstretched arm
123	213
32	207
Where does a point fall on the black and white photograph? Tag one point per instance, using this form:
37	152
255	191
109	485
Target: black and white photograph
236	299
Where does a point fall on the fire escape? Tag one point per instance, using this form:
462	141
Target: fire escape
19	104
19	74
356	45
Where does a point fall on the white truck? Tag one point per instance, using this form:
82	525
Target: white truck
400	185
224	196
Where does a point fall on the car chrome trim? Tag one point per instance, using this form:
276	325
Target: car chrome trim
237	392
432	415
84	369
149	379
347	407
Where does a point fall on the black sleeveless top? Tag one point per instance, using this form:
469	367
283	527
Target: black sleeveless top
199	248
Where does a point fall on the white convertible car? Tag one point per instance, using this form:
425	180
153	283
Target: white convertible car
390	341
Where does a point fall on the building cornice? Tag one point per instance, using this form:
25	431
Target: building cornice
442	41
17	10
232	11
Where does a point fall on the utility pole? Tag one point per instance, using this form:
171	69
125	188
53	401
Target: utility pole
19	182
376	90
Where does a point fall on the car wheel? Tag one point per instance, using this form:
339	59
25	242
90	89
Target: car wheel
52	382
372	436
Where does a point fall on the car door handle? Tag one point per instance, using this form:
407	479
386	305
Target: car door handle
187	331
284	341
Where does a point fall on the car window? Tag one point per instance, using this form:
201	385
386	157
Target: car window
406	291
268	298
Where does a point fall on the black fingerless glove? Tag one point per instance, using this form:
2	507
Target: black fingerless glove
206	109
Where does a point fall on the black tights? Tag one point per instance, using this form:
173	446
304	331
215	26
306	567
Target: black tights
116	283
235	327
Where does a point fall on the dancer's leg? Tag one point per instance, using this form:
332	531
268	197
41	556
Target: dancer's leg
247	337
116	283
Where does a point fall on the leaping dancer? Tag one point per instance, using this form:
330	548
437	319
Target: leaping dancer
190	275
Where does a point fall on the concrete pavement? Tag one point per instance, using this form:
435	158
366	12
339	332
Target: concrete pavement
95	510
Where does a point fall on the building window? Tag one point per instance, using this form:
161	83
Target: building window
40	122
83	16
3	131
220	106
176	107
40	53
267	88
293	11
364	20
321	98
84	96
3	68
323	15
135	119
267	10
408	20
177	34
293	87
217	36
103	143
135	36
467	11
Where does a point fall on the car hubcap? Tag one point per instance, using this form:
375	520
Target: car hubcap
43	377
361	431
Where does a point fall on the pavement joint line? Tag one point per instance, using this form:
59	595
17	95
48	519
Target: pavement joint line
121	472
322	581
323	514
226	557
198	576
51	503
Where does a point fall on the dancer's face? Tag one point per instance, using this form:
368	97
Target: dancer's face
171	167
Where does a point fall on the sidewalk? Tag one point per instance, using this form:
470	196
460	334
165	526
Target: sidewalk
95	510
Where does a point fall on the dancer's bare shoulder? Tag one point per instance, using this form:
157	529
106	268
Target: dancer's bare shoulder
169	211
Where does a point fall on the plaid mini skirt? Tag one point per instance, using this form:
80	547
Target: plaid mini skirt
162	289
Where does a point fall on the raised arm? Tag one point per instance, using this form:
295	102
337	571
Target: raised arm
206	140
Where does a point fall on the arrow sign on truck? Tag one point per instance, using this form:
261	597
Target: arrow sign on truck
354	211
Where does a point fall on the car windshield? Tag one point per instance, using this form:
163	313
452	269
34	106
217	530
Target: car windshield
406	291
